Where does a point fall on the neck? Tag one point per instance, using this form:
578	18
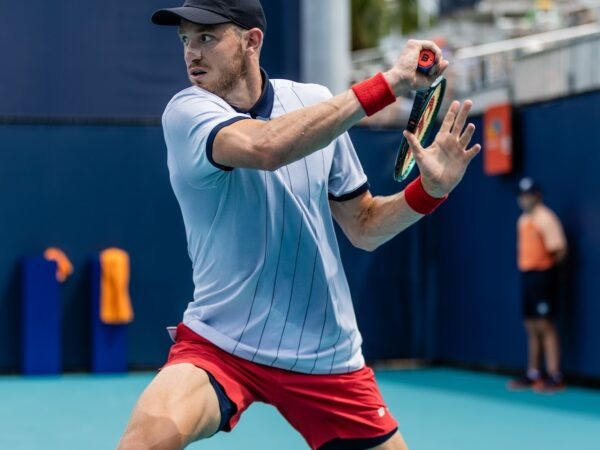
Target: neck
247	91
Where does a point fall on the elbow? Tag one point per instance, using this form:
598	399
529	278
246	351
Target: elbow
363	243
368	247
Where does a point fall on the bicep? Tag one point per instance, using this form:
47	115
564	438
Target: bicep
236	144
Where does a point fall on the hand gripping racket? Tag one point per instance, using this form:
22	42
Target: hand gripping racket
420	122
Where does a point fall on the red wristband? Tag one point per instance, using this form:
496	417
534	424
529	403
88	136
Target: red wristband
374	94
419	200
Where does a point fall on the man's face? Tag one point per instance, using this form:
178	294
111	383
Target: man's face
214	56
527	201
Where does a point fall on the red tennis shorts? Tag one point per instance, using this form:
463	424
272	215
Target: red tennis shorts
325	409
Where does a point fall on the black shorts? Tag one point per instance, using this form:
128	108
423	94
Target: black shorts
539	294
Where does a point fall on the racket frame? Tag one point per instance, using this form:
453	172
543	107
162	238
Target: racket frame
405	161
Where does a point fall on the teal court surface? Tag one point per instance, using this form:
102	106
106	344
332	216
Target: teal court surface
437	409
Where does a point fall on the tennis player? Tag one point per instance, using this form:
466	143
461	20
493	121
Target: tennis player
260	167
542	247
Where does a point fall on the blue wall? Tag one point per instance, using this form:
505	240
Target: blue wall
84	188
86	59
479	311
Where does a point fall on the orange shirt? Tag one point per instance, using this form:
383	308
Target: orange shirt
540	235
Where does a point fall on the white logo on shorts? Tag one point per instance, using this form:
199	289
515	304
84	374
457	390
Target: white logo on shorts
543	308
381	412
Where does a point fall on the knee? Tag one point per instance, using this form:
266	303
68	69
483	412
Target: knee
547	327
138	438
132	440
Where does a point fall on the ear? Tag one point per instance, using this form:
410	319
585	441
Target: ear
254	39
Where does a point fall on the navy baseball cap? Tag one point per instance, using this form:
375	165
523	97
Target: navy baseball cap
528	185
244	13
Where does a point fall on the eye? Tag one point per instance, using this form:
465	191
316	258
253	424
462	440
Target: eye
205	37
184	40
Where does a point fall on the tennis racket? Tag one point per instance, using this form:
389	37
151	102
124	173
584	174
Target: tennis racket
420	122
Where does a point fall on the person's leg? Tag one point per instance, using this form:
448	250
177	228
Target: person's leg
551	345
178	406
534	347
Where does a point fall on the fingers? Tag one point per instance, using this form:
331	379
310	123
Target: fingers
466	136
456	117
411	54
461	117
440	65
449	118
453	126
413	142
473	151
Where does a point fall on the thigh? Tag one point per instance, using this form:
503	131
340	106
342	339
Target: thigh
178	406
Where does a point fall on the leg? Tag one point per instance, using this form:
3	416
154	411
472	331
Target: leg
534	345
396	442
178	407
551	344
534	348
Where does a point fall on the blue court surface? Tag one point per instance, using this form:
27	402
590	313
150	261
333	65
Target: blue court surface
437	409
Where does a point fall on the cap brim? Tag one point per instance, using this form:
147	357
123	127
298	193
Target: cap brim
173	16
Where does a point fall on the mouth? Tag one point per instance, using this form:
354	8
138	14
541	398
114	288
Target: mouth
196	73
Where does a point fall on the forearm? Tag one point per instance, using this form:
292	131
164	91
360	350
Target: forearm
371	221
383	219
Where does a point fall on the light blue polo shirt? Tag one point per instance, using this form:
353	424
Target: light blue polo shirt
269	283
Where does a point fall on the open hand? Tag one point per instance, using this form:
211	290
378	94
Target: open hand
444	162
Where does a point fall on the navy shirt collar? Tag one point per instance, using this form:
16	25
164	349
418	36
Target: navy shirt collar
264	106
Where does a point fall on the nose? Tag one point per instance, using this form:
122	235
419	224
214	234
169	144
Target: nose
192	52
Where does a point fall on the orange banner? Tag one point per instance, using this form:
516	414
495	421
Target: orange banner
498	151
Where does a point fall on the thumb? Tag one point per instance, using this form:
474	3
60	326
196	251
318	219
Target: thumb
413	143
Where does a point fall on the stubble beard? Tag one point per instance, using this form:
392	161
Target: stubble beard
230	76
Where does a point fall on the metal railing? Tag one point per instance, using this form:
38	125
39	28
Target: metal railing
531	68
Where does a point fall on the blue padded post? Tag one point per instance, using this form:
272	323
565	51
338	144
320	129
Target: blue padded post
41	352
109	342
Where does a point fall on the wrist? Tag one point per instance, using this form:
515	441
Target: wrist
397	83
419	200
374	94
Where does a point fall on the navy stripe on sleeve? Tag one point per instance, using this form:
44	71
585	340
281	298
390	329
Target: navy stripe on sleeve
350	195
211	141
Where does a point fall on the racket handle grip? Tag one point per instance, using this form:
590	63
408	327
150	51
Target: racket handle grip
426	61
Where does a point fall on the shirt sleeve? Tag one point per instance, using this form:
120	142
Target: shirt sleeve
347	179
190	123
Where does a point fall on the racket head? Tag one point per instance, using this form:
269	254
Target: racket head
421	122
